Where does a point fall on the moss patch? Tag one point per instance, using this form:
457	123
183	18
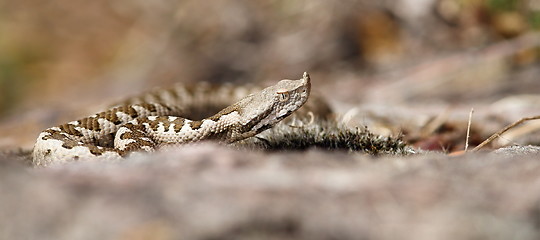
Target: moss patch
326	135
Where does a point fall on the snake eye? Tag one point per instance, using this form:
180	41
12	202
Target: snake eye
283	95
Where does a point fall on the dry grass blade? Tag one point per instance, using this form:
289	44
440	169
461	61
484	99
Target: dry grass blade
468	130
498	134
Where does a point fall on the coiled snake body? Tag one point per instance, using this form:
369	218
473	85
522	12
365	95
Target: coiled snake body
146	125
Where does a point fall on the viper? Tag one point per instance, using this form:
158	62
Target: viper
145	124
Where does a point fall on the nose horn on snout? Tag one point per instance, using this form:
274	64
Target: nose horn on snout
306	77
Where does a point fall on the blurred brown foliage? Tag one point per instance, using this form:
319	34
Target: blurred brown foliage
65	50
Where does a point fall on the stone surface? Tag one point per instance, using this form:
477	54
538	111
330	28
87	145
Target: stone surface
205	191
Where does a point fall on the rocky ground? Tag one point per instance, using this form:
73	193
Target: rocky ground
211	192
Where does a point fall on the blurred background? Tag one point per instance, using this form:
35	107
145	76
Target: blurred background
60	60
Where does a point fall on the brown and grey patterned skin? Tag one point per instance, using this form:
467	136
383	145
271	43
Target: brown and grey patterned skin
153	120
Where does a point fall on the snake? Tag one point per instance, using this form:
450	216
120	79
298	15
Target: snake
146	123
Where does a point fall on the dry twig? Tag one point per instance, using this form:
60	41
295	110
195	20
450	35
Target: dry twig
498	134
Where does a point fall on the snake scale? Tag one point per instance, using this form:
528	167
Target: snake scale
146	123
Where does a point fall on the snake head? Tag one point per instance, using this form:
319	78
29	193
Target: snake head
264	109
290	95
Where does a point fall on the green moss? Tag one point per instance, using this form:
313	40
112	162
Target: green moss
19	66
502	5
534	19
